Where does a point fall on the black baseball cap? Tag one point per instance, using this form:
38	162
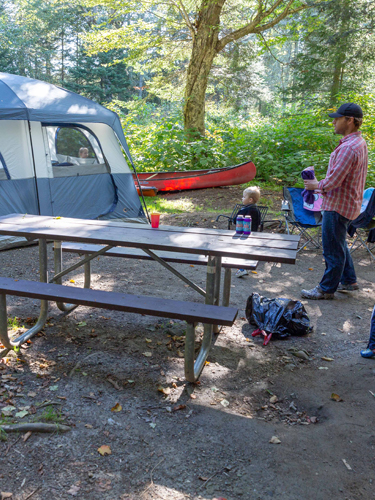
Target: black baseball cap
348	109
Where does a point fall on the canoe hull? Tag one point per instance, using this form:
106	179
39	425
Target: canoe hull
198	179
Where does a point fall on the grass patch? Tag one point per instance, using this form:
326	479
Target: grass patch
165	206
3	435
14	323
50	415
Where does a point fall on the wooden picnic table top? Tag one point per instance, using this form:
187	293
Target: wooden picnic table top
275	237
275	240
95	232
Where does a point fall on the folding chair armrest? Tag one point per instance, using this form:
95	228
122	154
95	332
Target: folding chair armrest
221	215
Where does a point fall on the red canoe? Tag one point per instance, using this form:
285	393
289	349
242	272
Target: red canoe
146	190
198	179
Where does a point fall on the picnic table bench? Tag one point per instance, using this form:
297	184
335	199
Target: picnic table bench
227	263
191	312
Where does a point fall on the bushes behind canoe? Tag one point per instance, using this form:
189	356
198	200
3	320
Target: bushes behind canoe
280	148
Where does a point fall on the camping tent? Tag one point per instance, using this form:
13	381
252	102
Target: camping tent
60	155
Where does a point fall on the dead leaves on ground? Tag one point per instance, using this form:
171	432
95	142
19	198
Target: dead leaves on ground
336	397
179	407
103	485
74	489
274	440
164	390
116	408
105	450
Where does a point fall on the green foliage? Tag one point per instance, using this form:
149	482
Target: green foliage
280	147
336	54
3	434
14	323
50	415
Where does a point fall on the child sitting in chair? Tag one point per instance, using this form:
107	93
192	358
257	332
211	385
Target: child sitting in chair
250	199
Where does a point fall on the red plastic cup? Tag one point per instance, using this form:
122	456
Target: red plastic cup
155	220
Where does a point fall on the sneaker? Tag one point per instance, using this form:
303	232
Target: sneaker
368	353
343	287
316	294
241	272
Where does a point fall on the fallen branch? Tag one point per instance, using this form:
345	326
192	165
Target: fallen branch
49	403
32	493
35	427
12	444
220	471
151	478
114	383
81	361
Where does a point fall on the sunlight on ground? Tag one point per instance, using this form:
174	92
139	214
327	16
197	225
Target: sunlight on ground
162	491
348	326
163	205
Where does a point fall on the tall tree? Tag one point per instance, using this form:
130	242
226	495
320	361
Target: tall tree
190	33
41	39
336	51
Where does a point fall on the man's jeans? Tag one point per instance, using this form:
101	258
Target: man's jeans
339	264
371	342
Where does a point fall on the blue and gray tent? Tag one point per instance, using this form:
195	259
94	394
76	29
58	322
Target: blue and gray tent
61	154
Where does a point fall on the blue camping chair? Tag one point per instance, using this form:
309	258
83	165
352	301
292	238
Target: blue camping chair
297	217
363	227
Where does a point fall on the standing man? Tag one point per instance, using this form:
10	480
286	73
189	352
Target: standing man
342	191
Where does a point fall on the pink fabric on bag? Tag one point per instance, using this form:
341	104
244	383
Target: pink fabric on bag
316	206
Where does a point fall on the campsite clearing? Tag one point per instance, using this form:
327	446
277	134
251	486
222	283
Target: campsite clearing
169	440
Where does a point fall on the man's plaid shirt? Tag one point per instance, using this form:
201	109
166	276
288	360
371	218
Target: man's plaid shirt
343	186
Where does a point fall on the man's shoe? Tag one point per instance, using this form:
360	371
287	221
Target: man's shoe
343	287
241	272
368	353
316	294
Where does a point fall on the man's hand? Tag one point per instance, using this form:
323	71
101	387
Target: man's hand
311	184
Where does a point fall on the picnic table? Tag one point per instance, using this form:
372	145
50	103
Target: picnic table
214	244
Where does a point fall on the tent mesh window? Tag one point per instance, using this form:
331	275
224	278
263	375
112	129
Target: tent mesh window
74	151
73	142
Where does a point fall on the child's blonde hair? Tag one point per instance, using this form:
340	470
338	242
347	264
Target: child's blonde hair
252	192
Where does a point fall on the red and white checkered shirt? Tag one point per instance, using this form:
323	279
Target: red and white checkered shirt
343	186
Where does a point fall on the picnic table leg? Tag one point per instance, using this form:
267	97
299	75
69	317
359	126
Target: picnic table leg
193	369
227	284
216	328
4	339
58	268
4	336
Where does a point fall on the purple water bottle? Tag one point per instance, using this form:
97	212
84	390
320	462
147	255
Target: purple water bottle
239	224
247	225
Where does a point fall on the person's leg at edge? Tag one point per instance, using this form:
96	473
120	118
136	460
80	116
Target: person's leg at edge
370	351
334	229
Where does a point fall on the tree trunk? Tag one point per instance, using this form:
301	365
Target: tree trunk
202	56
335	87
62	57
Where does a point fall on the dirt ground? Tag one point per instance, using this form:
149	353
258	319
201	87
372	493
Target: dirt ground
176	441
